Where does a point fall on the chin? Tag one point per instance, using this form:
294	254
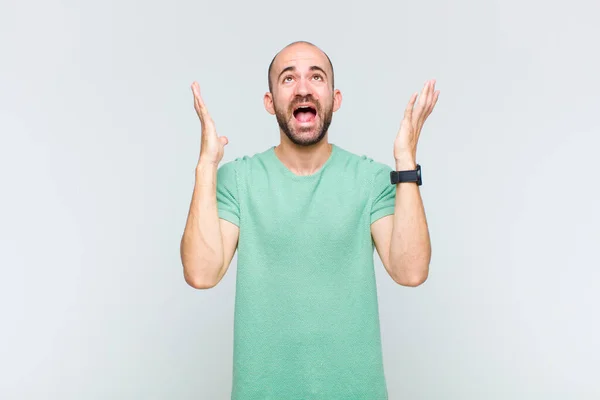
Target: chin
307	142
306	138
303	140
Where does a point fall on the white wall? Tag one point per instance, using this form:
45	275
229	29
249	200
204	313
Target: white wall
100	140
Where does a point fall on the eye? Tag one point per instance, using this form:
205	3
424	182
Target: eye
318	77
288	78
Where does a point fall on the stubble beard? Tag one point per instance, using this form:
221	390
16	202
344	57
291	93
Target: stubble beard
285	120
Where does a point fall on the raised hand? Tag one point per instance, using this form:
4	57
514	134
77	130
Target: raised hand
211	146
405	145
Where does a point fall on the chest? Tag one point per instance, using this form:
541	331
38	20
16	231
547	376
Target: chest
332	214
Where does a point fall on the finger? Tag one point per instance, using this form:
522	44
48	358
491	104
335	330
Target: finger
196	90
421	104
430	91
409	107
428	99
423	98
198	102
224	141
434	100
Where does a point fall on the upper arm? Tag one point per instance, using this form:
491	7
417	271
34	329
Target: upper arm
383	202
381	231
228	206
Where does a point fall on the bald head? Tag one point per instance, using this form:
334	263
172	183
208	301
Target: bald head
291	47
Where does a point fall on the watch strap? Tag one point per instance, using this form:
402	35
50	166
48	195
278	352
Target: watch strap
406	176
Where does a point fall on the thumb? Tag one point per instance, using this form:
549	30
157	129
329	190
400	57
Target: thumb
223	140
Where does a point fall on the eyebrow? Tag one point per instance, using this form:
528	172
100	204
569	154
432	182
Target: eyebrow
292	68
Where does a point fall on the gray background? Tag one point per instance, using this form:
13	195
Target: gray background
100	140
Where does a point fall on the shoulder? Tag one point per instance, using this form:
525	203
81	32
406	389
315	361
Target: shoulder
245	161
363	162
244	167
373	174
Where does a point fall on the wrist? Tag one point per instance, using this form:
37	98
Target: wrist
405	160
405	164
206	165
206	171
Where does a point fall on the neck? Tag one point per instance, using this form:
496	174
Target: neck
303	160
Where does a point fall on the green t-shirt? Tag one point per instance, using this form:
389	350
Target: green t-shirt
306	323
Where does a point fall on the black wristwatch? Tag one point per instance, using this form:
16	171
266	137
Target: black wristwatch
407	176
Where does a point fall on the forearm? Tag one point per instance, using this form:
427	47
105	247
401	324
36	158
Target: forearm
410	249
201	244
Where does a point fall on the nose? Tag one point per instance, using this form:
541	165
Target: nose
303	88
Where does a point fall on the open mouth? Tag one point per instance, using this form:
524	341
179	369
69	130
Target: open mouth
305	113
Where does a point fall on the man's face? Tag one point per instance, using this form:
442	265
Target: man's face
302	97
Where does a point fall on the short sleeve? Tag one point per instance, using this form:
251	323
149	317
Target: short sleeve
227	193
383	193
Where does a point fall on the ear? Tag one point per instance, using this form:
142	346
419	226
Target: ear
337	100
268	100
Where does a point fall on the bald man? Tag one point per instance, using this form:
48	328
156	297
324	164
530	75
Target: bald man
305	217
